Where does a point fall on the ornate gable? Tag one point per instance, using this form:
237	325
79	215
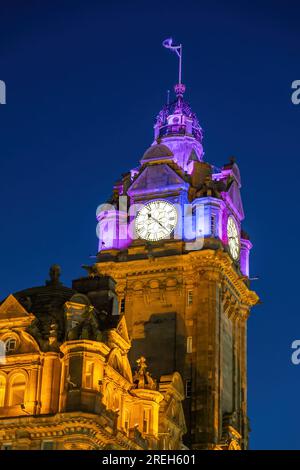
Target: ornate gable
118	336
11	308
235	196
122	329
13	313
156	179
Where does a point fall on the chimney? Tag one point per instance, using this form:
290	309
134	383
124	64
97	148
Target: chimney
200	172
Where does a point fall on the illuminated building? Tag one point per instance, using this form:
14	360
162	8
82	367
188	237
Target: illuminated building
66	382
172	274
185	291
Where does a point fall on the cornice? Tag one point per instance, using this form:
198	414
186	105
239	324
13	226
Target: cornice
63	425
147	394
217	263
76	346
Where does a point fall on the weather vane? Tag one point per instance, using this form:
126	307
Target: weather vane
168	43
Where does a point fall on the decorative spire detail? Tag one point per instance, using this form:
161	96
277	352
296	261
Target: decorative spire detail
177	118
179	90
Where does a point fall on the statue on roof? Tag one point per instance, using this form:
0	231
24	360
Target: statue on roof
54	274
142	378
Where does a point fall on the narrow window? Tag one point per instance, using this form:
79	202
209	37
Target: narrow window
65	376
126	421
17	390
146	418
47	445
116	401
122	306
2	390
189	344
188	388
213	225
89	374
2	352
190	297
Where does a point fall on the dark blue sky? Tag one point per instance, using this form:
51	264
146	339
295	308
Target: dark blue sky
85	80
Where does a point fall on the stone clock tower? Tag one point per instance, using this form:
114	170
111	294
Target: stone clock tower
171	236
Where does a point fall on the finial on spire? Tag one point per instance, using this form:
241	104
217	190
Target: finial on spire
168	43
179	90
168	97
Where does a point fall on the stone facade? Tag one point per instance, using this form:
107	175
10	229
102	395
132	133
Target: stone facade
186	297
188	312
65	378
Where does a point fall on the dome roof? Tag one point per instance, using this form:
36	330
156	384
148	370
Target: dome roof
157	151
178	119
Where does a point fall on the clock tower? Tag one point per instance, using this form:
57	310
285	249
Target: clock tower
171	236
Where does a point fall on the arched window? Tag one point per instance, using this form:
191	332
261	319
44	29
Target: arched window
17	390
2	390
10	345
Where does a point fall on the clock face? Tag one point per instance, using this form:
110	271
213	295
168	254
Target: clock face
156	220
233	238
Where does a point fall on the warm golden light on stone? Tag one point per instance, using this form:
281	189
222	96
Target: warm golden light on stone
81	394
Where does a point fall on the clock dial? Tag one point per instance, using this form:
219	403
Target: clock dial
156	220
233	238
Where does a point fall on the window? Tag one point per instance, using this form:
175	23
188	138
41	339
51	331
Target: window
47	445
2	352
7	446
116	401
188	388
122	306
190	297
65	381
189	344
10	345
89	374
146	419
213	225
17	390
126	420
2	390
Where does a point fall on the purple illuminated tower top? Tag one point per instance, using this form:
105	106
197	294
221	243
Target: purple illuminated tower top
172	170
178	127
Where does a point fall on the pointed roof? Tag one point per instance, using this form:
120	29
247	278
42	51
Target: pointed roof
193	157
11	308
235	196
154	177
13	314
122	329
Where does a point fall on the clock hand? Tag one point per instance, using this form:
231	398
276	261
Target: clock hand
157	221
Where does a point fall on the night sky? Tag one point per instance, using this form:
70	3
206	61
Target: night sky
85	80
